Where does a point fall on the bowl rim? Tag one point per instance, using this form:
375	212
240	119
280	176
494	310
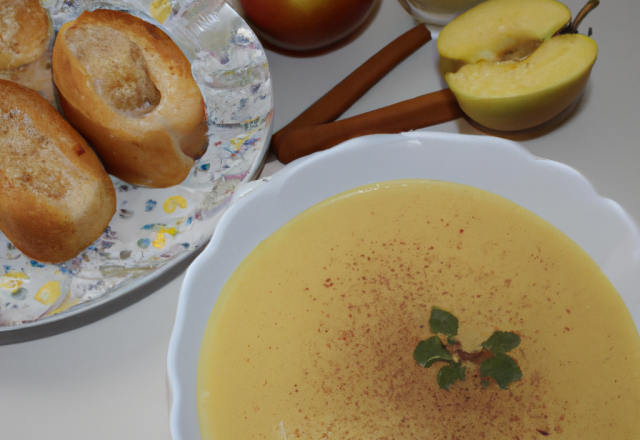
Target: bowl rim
554	191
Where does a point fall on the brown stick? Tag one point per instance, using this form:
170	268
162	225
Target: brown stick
423	111
335	102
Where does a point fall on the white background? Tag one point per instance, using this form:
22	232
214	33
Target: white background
107	379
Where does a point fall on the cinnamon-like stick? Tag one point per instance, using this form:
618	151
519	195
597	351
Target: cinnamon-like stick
335	102
423	111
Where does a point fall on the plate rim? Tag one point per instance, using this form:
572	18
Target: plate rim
39	327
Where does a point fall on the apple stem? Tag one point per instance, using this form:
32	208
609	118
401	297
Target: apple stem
572	28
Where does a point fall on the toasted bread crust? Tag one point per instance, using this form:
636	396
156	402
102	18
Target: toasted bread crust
151	146
25	31
55	196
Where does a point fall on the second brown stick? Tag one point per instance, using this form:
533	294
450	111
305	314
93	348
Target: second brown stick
423	111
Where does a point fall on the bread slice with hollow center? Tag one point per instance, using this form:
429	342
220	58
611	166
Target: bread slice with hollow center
55	196
128	89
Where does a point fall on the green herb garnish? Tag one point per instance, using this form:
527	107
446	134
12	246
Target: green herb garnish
449	374
443	323
501	342
494	363
429	351
502	368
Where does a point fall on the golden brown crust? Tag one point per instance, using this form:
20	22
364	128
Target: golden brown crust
148	141
55	196
25	30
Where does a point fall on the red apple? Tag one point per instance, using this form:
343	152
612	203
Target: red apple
305	24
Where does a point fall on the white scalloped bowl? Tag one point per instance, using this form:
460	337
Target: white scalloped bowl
554	191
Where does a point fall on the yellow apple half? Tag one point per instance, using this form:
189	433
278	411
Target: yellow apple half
507	69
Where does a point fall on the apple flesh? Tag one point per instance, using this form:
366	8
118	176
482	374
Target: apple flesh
305	24
507	67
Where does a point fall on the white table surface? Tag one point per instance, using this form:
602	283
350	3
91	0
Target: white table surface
107	379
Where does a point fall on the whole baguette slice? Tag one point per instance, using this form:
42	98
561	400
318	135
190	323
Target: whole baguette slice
55	196
128	89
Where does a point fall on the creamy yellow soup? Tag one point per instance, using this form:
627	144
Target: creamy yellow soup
313	335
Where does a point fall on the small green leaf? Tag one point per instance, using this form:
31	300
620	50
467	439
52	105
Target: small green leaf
502	368
443	322
485	384
501	342
429	351
449	374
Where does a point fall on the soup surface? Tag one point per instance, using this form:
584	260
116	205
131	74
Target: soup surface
313	335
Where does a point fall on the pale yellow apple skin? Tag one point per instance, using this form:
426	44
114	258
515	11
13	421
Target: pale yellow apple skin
507	69
513	96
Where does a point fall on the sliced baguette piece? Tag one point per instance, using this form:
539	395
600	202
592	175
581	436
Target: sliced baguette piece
128	89
55	196
25	32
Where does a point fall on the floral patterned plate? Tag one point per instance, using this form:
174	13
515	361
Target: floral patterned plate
153	229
